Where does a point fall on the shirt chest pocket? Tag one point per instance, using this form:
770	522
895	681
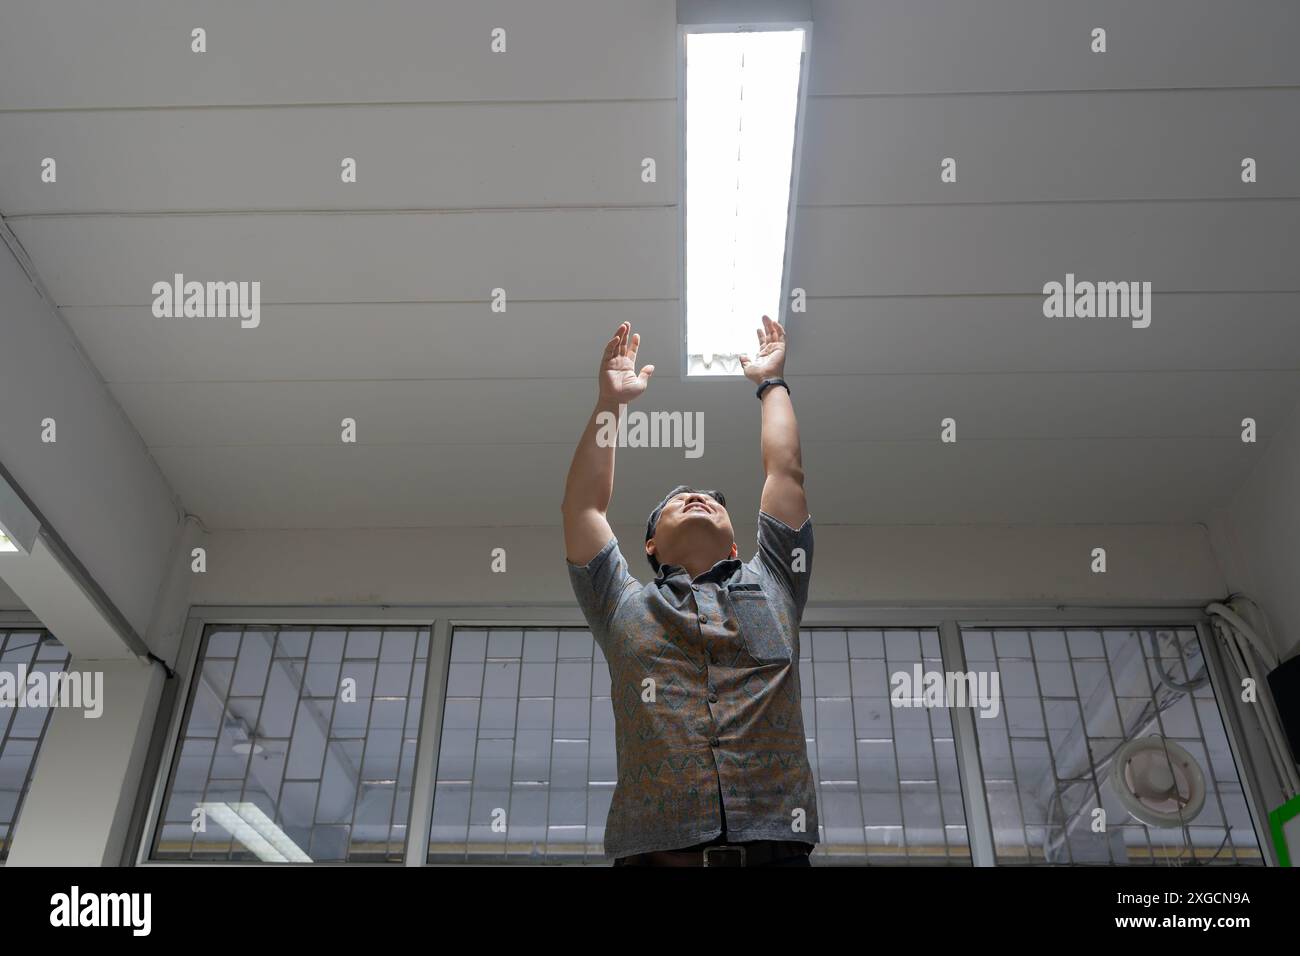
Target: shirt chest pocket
760	631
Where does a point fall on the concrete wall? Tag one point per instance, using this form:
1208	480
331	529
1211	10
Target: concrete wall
876	565
1257	536
8	600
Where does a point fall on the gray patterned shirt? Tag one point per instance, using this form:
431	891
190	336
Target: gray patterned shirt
719	733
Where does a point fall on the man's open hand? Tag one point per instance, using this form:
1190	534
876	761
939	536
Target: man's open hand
619	381
770	361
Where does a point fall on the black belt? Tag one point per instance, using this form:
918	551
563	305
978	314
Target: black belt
752	853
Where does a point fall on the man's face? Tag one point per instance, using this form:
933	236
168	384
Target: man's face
690	520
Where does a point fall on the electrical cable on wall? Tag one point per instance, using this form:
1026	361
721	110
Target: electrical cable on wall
1243	645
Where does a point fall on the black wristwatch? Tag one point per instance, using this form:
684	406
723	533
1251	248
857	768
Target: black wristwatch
768	383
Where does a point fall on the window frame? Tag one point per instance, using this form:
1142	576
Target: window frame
1230	717
442	619
17	620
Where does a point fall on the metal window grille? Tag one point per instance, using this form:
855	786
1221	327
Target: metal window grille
298	745
527	764
1069	699
22	729
887	779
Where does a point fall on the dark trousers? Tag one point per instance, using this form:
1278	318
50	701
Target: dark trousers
798	859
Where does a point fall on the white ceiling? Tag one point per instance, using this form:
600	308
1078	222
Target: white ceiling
522	171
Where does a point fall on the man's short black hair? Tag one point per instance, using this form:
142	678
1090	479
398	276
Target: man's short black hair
654	515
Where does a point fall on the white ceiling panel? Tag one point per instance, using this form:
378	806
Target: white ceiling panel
904	334
831	408
408	157
910	47
66	54
999	249
436	340
1026	147
388	257
373	341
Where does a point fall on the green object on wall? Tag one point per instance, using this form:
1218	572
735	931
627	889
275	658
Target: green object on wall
1283	821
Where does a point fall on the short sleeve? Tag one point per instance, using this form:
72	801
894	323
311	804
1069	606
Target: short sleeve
787	554
601	583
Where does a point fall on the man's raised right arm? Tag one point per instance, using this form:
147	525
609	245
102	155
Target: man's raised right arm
590	484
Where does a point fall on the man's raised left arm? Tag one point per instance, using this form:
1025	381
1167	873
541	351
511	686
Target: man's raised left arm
783	491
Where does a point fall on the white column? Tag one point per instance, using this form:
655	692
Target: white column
100	558
79	807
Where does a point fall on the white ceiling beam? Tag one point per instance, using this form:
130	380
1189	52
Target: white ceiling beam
94	521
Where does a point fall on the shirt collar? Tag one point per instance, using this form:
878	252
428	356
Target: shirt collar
720	573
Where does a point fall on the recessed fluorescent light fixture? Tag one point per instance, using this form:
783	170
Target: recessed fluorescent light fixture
742	88
256	831
19	525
